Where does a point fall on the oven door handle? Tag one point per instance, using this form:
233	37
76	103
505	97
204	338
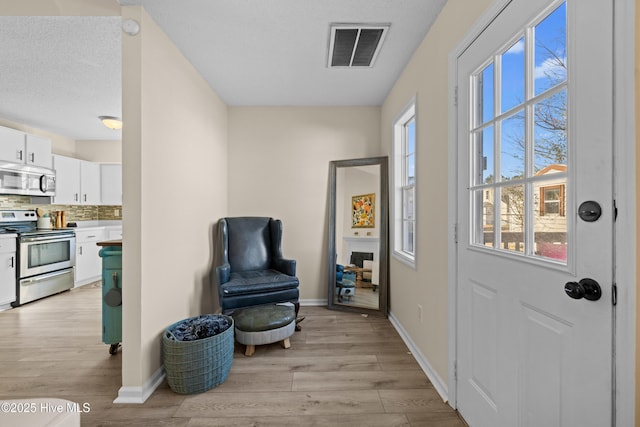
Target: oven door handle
58	238
47	276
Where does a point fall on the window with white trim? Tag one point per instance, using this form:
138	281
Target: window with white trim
404	182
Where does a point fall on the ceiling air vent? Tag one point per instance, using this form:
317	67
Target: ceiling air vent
355	45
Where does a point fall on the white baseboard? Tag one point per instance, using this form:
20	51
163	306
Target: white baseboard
313	302
140	394
438	384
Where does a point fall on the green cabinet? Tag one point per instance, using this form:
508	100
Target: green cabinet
111	296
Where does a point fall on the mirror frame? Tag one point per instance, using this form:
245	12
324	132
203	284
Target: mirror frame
383	202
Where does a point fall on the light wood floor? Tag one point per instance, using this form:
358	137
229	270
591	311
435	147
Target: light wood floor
343	369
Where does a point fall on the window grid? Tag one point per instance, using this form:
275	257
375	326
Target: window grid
488	126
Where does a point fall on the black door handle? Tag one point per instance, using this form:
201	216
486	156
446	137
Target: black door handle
587	288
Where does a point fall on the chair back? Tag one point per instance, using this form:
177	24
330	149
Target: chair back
249	243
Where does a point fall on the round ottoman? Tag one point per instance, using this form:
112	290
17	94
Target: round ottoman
264	325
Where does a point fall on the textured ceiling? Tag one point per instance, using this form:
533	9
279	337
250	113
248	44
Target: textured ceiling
257	52
60	73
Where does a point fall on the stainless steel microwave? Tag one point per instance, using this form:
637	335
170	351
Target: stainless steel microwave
27	180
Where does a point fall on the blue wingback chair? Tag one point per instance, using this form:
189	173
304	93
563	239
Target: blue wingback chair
253	270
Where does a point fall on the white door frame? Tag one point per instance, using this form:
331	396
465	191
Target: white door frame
624	192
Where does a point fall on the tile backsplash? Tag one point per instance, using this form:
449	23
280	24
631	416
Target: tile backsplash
73	212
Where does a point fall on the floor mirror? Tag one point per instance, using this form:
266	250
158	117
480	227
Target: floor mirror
358	235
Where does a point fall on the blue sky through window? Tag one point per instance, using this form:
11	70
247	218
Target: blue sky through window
548	70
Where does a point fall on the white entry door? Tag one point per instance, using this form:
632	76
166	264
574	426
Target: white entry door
534	126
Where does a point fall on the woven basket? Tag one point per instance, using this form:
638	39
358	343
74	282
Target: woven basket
197	366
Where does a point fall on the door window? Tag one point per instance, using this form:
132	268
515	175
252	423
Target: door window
518	135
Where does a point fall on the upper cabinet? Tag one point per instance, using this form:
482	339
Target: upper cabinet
111	183
20	147
77	181
90	183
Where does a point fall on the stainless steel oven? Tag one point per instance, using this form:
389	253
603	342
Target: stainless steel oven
42	253
46	258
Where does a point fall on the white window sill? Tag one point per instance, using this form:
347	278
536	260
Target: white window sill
405	259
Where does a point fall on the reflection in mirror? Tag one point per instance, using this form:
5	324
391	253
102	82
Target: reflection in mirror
358	240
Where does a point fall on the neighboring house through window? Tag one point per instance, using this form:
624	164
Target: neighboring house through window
404	182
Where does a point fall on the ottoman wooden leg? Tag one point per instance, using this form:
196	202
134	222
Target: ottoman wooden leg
286	343
250	350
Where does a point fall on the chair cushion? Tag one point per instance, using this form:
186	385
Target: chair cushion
253	282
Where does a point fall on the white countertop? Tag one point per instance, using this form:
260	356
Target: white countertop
8	236
88	225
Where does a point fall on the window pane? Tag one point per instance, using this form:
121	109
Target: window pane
550	221
550	134
408	207
483	206
551	50
484	173
512	147
408	233
411	136
513	76
512	213
485	94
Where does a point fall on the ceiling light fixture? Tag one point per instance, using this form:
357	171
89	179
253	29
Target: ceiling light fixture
111	122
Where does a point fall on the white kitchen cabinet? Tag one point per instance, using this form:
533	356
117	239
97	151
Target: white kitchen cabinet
7	270
89	183
38	151
114	233
19	147
77	181
111	183
67	180
88	261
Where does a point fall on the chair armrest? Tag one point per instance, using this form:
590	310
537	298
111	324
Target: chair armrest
223	274
286	266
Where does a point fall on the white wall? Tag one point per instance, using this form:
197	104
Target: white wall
279	167
427	76
175	173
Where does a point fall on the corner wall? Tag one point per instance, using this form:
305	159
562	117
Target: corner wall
174	154
279	167
427	77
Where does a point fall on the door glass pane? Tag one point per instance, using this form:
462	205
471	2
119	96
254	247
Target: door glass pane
512	215
550	134
484	174
483	203
485	94
551	51
512	143
513	76
550	220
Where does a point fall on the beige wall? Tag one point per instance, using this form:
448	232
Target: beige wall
174	155
279	167
99	151
427	78
60	8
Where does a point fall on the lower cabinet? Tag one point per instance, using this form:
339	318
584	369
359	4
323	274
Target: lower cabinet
88	262
7	270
